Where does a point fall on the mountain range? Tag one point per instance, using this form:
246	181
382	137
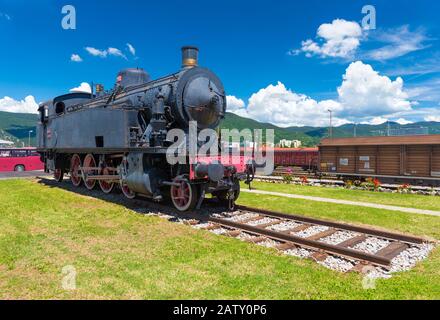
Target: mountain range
15	127
311	136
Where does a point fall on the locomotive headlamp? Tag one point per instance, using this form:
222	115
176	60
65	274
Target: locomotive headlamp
190	57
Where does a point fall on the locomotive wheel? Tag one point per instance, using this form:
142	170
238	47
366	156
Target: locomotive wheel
75	176
106	187
127	192
58	175
89	162
184	196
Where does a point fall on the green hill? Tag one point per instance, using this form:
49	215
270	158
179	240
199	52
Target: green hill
310	136
233	121
16	126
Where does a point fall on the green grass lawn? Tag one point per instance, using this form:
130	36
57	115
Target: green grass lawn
395	199
121	254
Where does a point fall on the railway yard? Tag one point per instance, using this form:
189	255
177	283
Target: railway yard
220	160
286	249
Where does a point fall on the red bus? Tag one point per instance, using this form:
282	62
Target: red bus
25	159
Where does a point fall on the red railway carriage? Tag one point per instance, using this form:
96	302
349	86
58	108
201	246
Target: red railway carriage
306	158
26	159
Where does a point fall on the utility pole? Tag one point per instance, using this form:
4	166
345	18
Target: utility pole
29	144
330	131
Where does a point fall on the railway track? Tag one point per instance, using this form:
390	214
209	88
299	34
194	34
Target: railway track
289	232
321	240
339	246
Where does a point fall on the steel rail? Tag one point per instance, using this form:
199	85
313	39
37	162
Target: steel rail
312	244
337	225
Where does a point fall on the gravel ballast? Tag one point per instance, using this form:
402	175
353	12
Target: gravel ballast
261	222
203	225
269	243
311	231
338	264
298	252
243	217
219	231
284	226
339	237
407	259
245	236
371	245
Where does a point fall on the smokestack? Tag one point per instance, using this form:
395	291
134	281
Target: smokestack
190	57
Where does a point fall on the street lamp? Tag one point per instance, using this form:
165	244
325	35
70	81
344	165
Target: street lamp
30	131
330	131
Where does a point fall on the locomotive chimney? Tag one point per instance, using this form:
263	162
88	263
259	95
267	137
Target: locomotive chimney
190	57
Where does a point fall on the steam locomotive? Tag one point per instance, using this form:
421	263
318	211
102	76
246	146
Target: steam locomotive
119	137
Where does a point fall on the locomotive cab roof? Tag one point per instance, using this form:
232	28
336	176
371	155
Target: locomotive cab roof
132	77
72	96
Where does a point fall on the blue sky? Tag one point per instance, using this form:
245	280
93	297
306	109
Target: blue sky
276	62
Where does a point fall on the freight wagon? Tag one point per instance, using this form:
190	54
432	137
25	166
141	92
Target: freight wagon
305	158
409	159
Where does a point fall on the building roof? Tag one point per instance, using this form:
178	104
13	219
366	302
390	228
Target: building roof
372	141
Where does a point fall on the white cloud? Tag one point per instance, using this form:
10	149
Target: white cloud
364	96
339	39
234	103
278	105
96	52
417	114
116	52
366	93
426	91
403	121
420	67
399	42
375	121
433	118
28	105
111	51
131	49
342	39
75	58
84	87
382	120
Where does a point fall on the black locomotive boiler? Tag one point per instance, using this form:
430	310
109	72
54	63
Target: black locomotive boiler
119	137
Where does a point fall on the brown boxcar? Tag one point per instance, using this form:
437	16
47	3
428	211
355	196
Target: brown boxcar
306	158
408	159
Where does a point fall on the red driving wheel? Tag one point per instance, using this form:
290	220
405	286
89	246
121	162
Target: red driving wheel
75	174
127	192
106	186
183	195
58	175
89	166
